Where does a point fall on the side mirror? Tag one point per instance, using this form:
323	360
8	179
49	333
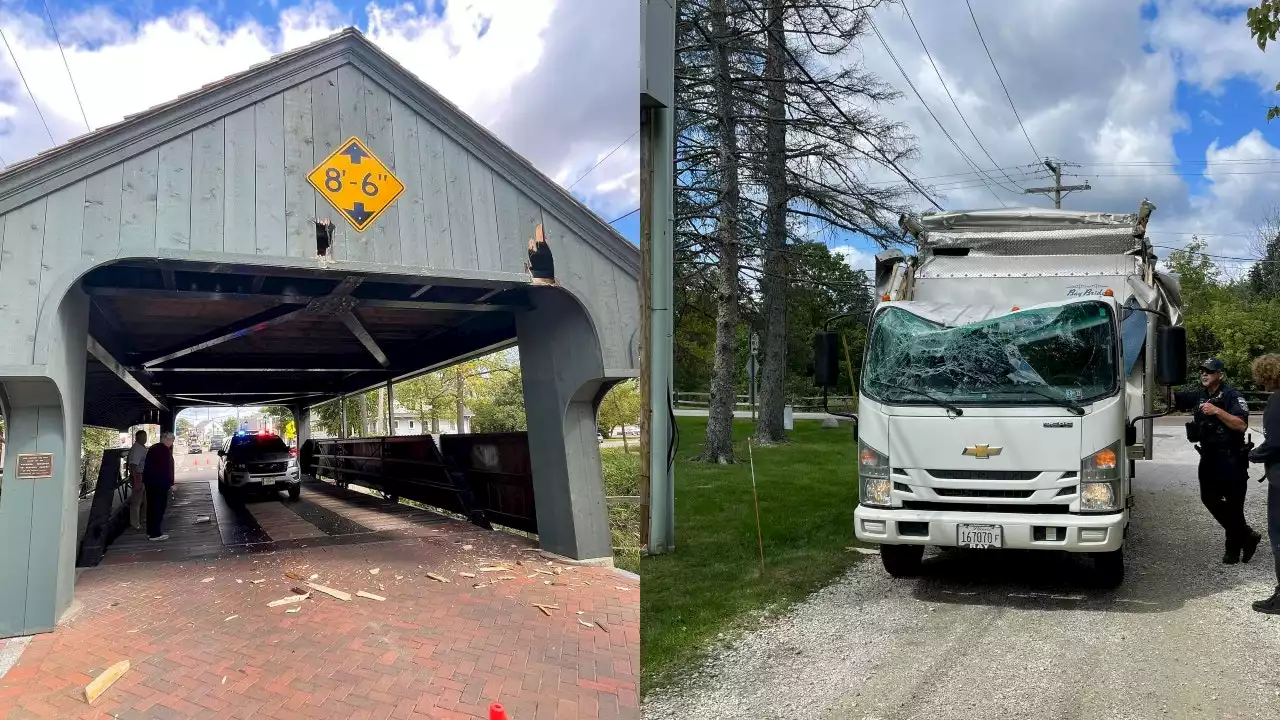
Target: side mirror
826	359
1171	362
222	453
1130	434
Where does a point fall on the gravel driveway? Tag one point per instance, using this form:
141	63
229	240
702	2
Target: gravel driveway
1005	634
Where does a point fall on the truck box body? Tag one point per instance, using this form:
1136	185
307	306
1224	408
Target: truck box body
978	346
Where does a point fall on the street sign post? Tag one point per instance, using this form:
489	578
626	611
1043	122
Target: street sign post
752	366
356	183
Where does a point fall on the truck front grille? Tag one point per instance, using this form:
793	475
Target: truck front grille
1041	508
984	474
966	492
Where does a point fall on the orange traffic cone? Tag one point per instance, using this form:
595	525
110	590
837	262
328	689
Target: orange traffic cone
497	712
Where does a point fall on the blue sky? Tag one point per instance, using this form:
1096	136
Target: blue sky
555	79
1162	99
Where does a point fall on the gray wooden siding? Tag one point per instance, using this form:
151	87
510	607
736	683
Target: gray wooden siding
239	185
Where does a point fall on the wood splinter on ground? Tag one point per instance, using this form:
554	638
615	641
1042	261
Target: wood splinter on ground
370	596
330	592
287	600
438	578
546	609
100	684
467	574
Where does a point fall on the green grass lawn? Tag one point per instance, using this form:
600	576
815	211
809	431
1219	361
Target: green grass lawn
712	582
622	477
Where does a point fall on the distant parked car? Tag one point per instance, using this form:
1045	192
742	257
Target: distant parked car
194	450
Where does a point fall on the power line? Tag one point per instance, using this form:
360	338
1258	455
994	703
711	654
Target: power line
951	97
1217	257
58	40
623	217
606	157
920	97
1001	79
28	87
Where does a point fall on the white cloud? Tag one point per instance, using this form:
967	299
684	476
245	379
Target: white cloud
546	76
1094	83
856	258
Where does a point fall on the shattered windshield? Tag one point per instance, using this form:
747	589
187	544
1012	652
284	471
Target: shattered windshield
1060	355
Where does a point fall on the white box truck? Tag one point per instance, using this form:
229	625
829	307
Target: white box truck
1007	384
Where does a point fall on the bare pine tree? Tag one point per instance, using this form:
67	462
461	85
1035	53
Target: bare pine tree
776	130
723	394
821	132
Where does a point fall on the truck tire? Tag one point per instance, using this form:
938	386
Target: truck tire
902	561
1108	569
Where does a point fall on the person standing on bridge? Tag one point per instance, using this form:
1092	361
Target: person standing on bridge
1266	373
1220	420
157	476
137	495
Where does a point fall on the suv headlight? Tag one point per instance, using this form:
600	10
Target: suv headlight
873	475
1100	480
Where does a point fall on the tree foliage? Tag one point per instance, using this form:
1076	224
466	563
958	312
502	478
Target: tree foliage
1264	23
619	408
498	403
1225	318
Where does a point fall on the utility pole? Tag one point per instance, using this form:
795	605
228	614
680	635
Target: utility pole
657	160
1058	190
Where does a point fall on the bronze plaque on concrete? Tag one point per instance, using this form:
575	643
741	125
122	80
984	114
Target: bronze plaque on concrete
35	466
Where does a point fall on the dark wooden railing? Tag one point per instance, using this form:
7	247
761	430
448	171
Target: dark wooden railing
482	477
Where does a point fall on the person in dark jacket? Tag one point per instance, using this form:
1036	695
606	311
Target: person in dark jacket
1218	426
157	477
1266	373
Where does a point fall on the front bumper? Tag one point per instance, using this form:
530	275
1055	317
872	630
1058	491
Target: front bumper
265	480
1074	533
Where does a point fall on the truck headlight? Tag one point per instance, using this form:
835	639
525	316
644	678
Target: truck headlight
1100	480
873	474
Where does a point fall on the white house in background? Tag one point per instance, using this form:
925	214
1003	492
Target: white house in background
407	423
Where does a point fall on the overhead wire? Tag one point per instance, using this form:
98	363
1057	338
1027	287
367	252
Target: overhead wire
623	217
1001	79
67	65
952	98
920	97
606	157
27	86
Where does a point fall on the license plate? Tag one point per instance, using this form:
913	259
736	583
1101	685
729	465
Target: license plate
980	536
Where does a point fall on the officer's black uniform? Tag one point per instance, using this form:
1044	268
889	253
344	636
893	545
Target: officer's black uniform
1224	465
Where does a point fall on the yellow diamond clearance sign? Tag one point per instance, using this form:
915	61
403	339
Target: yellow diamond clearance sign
356	183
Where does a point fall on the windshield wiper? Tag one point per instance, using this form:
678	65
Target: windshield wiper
936	401
1057	400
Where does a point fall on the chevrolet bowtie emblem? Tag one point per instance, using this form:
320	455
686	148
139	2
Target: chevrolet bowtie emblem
982	452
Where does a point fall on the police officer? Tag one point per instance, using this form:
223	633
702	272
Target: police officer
1218	425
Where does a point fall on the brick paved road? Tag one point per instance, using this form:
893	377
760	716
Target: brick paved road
431	650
